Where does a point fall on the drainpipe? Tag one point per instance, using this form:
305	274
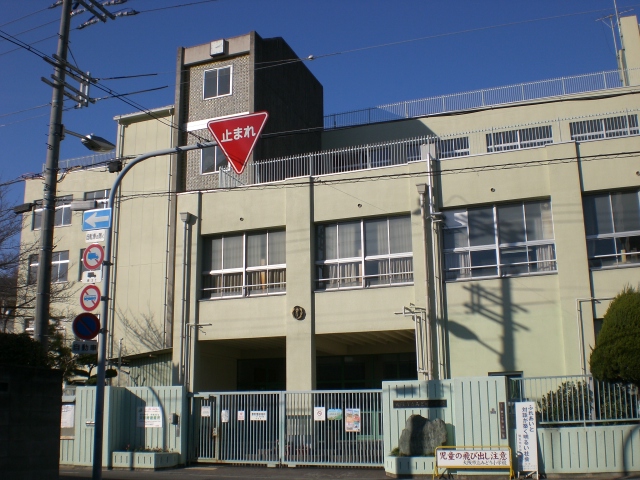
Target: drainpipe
186	219
425	192
581	344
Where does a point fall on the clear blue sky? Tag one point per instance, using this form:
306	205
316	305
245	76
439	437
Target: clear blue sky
566	40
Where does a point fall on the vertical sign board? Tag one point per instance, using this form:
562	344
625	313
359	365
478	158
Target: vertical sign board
526	437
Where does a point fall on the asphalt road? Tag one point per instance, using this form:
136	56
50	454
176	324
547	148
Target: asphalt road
236	472
231	472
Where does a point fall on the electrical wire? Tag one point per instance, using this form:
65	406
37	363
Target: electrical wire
23	17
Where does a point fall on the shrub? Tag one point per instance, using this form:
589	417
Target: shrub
616	357
21	349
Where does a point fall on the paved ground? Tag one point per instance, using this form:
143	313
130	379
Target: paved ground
232	472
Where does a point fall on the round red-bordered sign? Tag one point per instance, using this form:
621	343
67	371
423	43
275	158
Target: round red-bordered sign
86	326
90	298
93	256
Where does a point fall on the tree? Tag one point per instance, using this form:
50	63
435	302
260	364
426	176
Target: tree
616	357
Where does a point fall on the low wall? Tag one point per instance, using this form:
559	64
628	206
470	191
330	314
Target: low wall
591	449
29	422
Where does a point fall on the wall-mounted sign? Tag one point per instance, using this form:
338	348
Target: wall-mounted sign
334	414
319	414
205	411
352	420
241	415
258	416
149	417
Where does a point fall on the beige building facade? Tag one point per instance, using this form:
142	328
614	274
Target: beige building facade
320	267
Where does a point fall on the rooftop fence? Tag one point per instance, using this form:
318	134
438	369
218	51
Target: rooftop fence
521	92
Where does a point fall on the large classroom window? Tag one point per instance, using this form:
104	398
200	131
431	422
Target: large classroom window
499	240
364	253
612	227
243	265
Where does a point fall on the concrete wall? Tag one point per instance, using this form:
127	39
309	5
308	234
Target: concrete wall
29	422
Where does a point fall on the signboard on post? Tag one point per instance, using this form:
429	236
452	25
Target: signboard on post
526	437
86	326
84	346
237	136
96	219
93	256
90	298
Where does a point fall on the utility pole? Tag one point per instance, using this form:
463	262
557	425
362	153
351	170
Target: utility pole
56	131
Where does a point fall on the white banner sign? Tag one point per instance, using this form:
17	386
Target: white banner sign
526	437
67	420
258	416
94	236
224	416
149	417
473	458
241	415
205	410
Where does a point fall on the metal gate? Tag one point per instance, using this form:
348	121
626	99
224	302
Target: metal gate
292	428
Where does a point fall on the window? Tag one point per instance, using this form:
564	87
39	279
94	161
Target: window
62	215
612	227
212	159
621	126
59	267
453	147
32	274
381	248
217	82
244	265
499	240
516	139
100	196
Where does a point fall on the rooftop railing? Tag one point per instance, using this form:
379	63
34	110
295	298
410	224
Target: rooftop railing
555	87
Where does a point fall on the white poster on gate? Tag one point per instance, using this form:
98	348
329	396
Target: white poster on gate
526	437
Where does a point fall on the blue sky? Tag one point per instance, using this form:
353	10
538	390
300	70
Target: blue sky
470	44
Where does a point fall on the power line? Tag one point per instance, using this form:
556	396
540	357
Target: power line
23	17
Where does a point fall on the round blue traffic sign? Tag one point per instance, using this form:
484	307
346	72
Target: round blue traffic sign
86	326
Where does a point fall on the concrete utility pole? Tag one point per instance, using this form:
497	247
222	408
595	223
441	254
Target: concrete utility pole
56	131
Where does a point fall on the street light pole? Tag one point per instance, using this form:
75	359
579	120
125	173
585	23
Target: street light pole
102	335
56	130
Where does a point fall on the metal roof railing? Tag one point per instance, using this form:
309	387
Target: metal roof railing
521	92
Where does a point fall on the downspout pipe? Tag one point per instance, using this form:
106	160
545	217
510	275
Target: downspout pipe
186	220
426	231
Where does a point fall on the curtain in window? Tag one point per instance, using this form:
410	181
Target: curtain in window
232	252
539	221
400	235
277	250
546	258
401	270
376	237
349	241
257	250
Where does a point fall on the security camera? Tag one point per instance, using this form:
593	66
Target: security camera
97	144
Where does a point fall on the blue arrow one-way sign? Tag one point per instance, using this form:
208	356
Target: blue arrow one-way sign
96	219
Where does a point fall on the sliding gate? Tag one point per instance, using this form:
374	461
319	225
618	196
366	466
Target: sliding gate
292	428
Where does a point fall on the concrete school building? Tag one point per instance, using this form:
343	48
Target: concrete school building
313	269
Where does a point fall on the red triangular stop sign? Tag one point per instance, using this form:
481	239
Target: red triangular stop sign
237	136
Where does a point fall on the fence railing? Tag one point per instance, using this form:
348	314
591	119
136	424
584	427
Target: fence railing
342	428
477	98
578	399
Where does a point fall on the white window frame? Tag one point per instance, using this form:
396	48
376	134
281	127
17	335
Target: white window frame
217	69
64	207
34	263
101	197
217	168
453	147
622	258
530	137
609	127
497	247
245	289
361	280
56	264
